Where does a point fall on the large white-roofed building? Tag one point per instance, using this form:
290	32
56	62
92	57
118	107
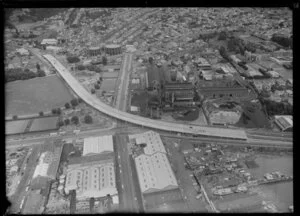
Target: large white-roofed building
98	145
152	140
95	180
153	167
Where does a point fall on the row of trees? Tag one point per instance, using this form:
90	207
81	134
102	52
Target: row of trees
283	40
277	108
75	120
20	74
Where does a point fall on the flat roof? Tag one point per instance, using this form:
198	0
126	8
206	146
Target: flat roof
97	145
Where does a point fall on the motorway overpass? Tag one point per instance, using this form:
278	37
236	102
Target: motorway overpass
93	101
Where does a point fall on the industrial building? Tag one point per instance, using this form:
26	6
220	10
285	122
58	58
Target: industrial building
284	122
153	167
94	51
179	94
219	89
93	174
112	49
98	145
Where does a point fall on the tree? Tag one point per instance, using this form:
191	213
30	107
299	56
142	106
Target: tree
103	93
75	120
101	79
98	82
97	86
38	67
67	106
80	100
80	67
104	60
74	102
41	73
73	59
58	111
222	35
53	111
88	119
93	91
15	117
150	60
67	121
61	123
41	113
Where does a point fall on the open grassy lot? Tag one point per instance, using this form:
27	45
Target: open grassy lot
110	75
41	124
35	95
14	127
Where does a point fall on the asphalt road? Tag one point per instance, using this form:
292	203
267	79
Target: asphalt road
128	197
125	72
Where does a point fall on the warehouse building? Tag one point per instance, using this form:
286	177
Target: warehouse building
284	122
153	167
98	145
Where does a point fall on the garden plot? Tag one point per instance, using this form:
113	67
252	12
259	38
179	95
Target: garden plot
15	127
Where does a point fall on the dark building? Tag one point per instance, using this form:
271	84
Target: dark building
219	89
179	94
113	49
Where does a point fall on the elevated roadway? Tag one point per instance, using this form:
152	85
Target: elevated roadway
157	124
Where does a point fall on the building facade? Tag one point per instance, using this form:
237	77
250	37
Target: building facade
113	49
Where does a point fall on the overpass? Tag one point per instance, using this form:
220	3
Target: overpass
93	101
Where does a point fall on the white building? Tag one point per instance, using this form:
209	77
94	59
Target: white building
153	167
152	140
43	165
49	42
98	145
95	180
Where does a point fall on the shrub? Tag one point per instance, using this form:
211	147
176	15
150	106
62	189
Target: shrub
93	91
15	117
41	113
104	60
88	119
80	100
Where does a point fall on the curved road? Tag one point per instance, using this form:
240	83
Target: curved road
97	104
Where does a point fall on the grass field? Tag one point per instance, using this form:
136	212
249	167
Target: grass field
14	127
41	124
108	85
35	95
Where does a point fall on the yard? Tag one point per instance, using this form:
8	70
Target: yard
35	95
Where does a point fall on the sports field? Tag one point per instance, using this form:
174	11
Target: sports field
35	95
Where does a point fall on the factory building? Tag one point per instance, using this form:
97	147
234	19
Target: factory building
221	88
153	167
180	94
112	49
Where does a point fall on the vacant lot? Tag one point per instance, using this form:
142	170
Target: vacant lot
14	127
110	75
35	95
108	85
41	124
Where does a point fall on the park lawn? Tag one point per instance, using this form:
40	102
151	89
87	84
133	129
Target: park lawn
35	95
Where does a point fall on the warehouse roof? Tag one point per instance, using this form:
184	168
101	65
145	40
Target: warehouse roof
154	172
284	122
152	140
92	181
97	145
